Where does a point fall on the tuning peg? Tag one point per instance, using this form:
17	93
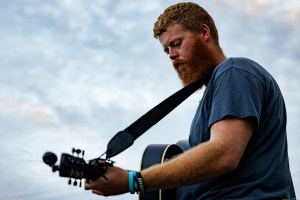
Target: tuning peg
49	158
70	181
78	151
75	183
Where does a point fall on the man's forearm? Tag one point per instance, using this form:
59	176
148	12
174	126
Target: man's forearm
200	163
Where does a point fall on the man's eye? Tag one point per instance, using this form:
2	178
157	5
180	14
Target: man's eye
166	51
177	44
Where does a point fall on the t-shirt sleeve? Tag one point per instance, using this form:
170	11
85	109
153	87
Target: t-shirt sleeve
237	93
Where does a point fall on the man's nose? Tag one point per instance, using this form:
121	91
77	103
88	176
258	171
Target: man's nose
173	53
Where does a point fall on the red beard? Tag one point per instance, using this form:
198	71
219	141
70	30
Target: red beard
201	65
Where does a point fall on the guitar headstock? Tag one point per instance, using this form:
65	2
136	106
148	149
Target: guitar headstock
75	167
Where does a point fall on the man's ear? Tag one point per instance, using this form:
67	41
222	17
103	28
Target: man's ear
205	31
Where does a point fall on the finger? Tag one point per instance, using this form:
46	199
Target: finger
92	184
89	185
97	192
102	161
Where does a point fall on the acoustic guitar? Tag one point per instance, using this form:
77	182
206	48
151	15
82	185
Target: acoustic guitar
76	168
159	153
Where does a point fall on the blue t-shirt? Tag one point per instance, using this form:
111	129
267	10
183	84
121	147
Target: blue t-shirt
241	88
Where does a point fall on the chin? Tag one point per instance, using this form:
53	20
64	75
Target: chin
186	82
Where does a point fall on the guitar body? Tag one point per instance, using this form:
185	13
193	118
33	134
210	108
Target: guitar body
157	154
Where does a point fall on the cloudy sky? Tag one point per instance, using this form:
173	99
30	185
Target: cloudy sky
74	73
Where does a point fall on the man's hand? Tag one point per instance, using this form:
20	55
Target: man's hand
116	182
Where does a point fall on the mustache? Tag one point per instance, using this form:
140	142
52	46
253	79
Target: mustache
177	63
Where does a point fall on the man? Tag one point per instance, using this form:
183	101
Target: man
238	135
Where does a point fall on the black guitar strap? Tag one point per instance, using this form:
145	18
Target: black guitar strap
124	139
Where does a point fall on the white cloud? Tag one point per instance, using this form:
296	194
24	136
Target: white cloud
72	74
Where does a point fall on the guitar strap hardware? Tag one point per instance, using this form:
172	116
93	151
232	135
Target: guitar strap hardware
124	139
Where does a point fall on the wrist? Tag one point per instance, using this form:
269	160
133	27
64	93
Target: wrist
135	182
140	182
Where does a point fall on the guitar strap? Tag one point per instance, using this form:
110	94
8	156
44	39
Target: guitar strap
124	139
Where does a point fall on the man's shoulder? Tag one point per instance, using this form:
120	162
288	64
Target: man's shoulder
236	63
242	65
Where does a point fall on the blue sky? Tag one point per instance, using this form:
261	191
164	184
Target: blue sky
74	73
